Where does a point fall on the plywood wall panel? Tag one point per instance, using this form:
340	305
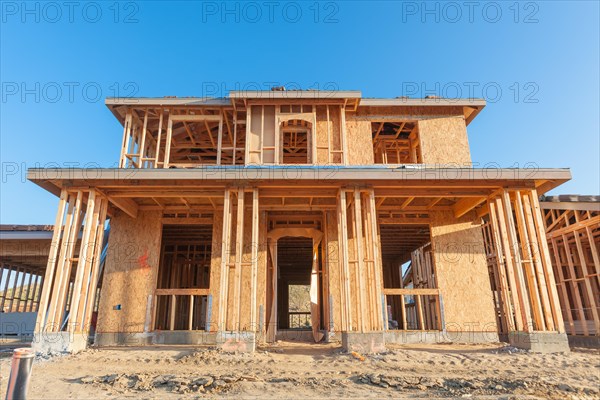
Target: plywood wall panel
254	135
215	268
261	281
130	271
333	270
444	141
462	272
321	133
360	146
268	136
246	273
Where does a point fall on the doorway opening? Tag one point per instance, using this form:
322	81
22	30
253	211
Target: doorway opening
294	259
183	277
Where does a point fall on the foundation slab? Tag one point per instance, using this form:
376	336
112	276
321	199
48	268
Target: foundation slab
363	342
153	338
59	342
591	342
244	342
431	337
471	337
540	342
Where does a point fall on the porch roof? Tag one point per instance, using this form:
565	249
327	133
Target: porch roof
400	190
402	176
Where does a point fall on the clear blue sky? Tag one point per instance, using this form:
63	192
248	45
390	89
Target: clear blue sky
537	63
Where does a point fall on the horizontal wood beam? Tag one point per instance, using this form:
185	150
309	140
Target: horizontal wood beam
128	206
193	118
411	292
182	292
465	205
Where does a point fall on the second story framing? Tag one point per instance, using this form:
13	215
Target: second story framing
292	128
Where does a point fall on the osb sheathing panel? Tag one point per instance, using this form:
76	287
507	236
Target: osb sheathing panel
130	271
353	267
444	141
246	272
360	147
321	133
254	134
334	135
229	323
215	268
333	270
462	272
261	285
335	115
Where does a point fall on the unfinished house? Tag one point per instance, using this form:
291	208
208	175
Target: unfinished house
23	257
573	230
222	210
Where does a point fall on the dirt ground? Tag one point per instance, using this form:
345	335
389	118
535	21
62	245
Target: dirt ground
302	370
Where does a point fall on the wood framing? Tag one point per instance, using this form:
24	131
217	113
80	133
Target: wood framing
220	207
522	274
62	306
572	229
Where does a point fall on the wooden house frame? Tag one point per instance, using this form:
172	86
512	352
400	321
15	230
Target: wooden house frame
384	182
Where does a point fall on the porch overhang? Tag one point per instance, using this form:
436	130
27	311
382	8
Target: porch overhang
406	189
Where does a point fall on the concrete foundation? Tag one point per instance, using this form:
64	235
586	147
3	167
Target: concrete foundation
363	342
591	342
473	337
430	337
59	342
296	335
540	342
244	342
154	338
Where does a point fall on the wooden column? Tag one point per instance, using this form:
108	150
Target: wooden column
169	138
88	307
518	263
13	289
126	139
225	253
537	263
346	300
237	274
255	244
510	268
56	291
84	260
158	140
547	263
61	285
29	284
527	262
526	280
377	262
360	264
52	263
501	267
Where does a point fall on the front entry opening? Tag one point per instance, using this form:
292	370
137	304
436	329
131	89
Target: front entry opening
294	259
183	277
